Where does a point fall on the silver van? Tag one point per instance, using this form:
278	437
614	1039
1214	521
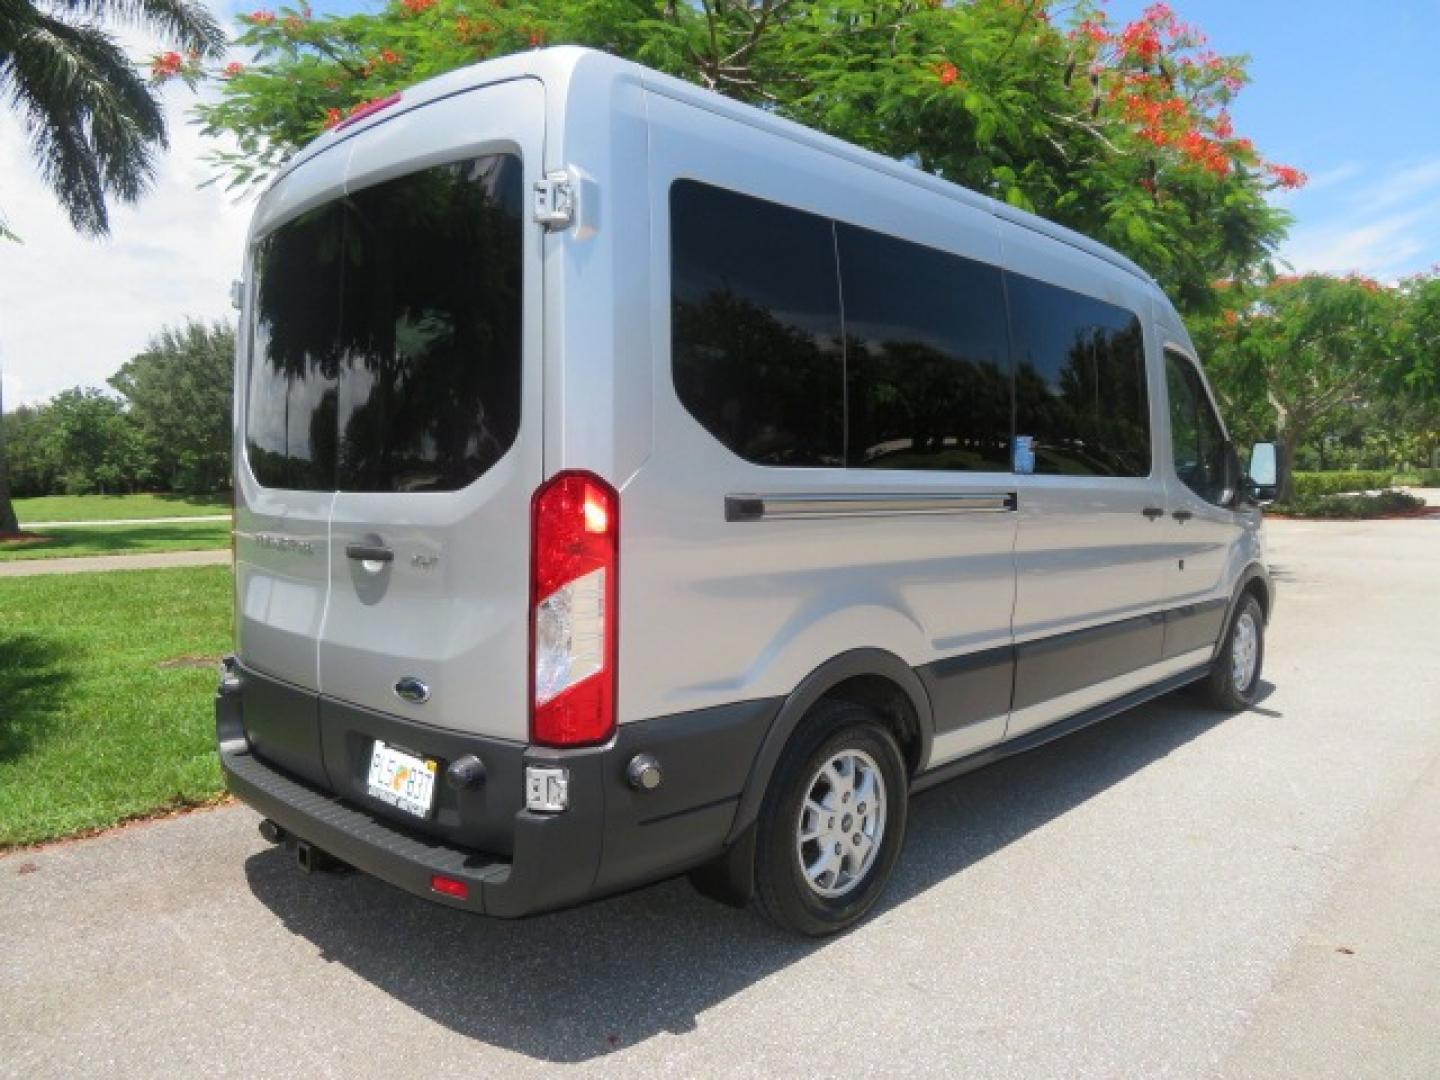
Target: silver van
630	482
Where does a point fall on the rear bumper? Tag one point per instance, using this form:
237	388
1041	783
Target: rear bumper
515	862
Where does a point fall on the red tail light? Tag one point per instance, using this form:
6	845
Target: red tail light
574	589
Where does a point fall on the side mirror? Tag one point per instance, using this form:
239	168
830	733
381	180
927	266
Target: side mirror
1263	481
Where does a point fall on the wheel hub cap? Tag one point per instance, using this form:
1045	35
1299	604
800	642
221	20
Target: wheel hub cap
1244	652
842	822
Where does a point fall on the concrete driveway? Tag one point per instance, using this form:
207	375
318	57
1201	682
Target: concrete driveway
1172	893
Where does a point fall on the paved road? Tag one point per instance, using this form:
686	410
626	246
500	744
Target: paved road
89	564
1172	893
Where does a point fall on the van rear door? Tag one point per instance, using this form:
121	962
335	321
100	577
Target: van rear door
438	415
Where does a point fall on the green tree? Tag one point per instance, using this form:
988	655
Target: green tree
1420	337
1120	131
98	446
29	449
179	391
93	123
1312	349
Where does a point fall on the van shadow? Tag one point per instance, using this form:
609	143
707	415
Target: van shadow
574	985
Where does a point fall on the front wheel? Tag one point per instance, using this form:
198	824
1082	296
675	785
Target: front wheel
1234	680
832	823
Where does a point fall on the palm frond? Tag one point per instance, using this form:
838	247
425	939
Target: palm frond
188	24
93	123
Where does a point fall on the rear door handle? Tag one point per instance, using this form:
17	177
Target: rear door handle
1182	516
1152	512
369	552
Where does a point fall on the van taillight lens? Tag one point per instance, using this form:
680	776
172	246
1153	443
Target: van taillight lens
574	567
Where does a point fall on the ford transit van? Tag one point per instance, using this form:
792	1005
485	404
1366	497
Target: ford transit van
630	482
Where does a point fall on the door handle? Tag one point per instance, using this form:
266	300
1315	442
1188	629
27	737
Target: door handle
1153	512
369	552
1182	516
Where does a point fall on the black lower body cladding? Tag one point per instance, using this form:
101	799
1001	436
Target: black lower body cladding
301	759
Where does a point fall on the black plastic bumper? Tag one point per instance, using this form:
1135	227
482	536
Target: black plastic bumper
556	853
611	837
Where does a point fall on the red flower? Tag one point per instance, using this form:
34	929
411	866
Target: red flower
389	56
261	17
294	24
948	73
1141	41
166	64
1287	176
415	7
234	68
1206	153
333	116
1224	128
537	38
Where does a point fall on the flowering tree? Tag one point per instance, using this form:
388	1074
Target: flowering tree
1294	354
1120	131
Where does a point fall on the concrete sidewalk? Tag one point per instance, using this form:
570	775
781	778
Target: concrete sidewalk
91	563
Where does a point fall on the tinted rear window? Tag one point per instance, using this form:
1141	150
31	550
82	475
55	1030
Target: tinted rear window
387	340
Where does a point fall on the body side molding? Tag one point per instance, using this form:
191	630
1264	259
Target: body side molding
804	505
1060	728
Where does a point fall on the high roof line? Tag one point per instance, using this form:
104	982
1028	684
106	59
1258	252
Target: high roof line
560	64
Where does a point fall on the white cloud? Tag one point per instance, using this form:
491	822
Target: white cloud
1383	221
1382	247
73	310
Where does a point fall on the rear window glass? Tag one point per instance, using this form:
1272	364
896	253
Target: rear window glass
1081	405
387	334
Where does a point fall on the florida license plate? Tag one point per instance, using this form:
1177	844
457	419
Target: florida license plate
403	780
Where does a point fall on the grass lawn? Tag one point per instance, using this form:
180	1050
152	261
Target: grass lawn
111	507
105	697
119	540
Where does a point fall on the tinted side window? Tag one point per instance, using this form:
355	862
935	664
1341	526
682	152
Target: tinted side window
386	349
1196	438
755	319
1080	393
927	370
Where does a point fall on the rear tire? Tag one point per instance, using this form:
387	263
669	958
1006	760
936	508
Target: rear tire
832	823
1233	683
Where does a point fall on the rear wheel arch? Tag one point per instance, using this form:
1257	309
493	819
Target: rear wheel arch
874	678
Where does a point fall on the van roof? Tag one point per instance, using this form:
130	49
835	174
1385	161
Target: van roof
559	66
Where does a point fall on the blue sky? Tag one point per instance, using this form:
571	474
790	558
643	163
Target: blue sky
1348	92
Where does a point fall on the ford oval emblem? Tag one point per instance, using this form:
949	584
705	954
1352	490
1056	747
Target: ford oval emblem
412	690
